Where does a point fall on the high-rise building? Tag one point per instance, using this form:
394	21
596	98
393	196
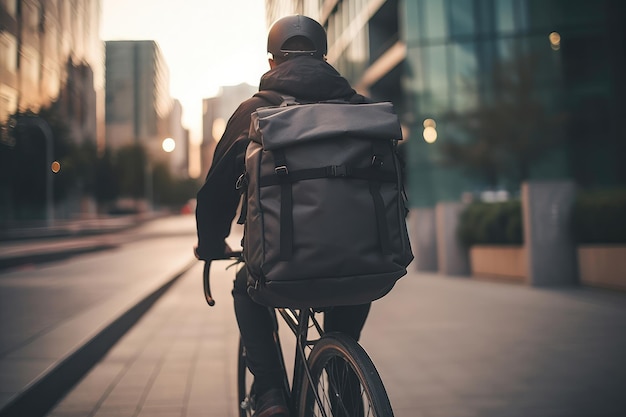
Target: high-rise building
216	112
138	102
50	52
438	59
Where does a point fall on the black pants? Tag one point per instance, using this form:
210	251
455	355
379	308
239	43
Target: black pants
256	327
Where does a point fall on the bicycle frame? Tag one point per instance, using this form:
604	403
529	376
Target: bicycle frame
298	322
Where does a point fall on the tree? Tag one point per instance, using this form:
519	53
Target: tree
504	136
106	187
23	159
129	165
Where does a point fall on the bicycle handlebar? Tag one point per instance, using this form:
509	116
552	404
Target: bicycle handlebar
205	275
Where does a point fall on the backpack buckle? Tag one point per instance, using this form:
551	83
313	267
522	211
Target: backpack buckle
338	171
281	170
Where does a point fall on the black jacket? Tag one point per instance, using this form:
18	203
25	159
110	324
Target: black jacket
305	78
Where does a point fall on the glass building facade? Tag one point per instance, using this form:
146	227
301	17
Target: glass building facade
527	74
533	87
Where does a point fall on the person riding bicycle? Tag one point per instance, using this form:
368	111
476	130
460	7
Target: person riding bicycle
297	46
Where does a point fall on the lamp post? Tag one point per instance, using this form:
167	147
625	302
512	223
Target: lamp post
47	133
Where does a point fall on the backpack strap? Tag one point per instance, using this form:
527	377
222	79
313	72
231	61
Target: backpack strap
277	99
379	204
274	97
286	205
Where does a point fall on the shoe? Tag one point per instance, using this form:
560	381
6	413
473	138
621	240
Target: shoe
271	404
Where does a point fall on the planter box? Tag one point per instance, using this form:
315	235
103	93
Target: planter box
502	262
603	266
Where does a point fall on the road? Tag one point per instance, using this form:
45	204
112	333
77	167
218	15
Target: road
51	312
36	298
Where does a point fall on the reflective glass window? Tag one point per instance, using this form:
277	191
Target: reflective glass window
436	76
410	21
414	69
462	21
538	13
505	16
10	6
465	70
8	51
435	19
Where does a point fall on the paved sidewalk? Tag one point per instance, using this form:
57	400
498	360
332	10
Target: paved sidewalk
445	347
179	360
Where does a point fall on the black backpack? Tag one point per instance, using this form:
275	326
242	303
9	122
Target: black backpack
324	204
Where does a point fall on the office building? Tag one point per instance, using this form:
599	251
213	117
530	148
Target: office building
138	102
215	113
50	52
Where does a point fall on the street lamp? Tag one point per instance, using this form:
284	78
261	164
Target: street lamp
168	145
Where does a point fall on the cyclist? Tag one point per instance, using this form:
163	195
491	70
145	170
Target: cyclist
297	46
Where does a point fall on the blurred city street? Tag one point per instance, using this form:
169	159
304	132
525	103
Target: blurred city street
444	346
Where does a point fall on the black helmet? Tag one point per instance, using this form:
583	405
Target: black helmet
296	26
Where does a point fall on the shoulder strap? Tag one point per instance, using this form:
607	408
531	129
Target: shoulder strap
277	99
271	96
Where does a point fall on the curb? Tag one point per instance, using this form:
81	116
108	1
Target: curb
40	396
53	254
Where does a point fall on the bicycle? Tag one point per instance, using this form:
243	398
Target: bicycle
332	376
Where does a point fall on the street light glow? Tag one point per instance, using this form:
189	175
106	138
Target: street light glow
168	144
555	40
430	131
55	167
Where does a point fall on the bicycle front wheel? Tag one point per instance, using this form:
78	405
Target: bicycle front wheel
346	382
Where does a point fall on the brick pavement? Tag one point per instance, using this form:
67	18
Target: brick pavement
178	360
445	347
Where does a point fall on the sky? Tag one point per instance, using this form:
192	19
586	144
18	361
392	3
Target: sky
206	44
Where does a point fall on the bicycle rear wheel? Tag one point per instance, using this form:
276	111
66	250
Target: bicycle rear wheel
346	381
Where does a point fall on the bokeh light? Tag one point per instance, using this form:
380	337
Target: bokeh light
555	40
168	144
430	131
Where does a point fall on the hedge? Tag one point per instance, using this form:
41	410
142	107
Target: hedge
491	223
599	216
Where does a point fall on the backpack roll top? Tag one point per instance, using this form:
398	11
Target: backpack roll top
325	218
275	127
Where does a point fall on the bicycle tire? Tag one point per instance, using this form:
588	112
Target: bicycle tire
336	361
245	396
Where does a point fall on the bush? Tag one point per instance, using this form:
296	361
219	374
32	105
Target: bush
599	216
491	223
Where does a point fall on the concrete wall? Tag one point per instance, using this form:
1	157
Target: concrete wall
547	207
422	232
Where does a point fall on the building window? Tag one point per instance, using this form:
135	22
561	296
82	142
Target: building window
436	77
435	21
462	22
8	51
10	6
465	67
